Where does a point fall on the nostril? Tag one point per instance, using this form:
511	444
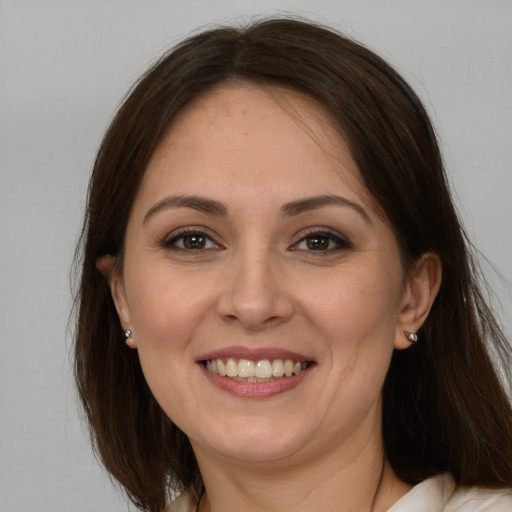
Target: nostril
271	320
255	308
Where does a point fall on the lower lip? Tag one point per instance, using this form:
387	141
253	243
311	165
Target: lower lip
256	390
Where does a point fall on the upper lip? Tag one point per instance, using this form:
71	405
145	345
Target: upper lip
253	354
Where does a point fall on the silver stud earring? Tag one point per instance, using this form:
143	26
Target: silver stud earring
129	340
411	336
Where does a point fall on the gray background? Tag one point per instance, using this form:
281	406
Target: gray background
65	65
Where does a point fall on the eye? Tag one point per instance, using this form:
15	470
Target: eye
191	241
321	242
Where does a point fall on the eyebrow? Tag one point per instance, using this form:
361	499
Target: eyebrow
201	204
213	207
316	202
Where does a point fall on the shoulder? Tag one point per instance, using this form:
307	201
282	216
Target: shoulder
478	499
431	495
440	494
183	503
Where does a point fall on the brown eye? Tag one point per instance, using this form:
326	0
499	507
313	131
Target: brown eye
191	241
318	243
196	242
322	242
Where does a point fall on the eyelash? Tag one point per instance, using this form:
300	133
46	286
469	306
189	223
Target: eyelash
171	243
341	243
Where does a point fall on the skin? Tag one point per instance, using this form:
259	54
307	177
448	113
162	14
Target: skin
257	281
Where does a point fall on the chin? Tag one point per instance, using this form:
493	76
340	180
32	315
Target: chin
254	443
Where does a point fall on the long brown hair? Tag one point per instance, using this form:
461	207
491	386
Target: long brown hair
444	408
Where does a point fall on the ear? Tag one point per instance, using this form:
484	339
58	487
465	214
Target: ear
106	265
421	289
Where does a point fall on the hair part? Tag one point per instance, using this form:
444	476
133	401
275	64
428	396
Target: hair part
444	408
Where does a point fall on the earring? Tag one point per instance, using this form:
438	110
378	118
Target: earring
129	340
411	336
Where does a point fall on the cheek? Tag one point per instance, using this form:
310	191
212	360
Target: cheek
362	337
167	311
166	307
171	309
356	303
357	318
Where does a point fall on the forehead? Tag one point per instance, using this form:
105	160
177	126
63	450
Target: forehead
254	136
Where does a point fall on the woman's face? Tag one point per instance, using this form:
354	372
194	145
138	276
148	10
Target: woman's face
252	243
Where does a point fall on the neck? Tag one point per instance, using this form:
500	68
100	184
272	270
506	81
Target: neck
358	482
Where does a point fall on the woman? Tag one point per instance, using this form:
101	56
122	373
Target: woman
270	230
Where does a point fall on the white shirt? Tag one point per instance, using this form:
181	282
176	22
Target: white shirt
437	494
440	494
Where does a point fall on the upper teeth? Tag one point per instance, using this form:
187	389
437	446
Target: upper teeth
251	370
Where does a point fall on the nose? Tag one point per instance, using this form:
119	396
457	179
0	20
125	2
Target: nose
255	294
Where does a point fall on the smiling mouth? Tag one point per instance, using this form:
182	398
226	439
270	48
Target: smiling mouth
263	370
